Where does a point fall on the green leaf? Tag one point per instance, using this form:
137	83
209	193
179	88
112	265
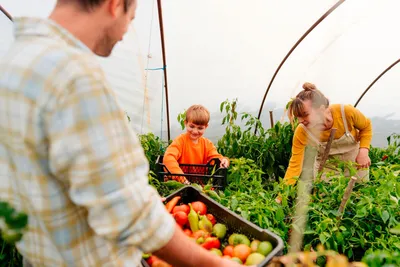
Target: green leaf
17	221
234	203
354	239
322	238
339	238
362	242
244	214
395	230
361	212
5	209
279	216
350	253
385	216
309	232
334	212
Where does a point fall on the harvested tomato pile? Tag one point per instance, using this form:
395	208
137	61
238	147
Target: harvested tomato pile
204	229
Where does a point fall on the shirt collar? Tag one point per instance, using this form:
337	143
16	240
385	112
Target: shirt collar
25	27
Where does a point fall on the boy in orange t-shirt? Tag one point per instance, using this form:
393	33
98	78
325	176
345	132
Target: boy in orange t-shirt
191	147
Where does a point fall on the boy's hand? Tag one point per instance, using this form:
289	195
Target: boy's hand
224	163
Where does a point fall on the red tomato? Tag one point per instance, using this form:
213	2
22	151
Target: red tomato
211	218
151	260
187	232
181	218
228	251
211	242
185	208
199	207
200	233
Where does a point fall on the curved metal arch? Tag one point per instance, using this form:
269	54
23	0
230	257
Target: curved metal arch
326	14
8	15
376	79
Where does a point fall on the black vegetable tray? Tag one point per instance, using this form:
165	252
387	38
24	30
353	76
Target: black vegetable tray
195	173
234	222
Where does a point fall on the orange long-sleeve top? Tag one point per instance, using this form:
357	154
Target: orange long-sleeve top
183	150
359	126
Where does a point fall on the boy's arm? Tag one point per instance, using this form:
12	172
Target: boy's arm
171	157
212	152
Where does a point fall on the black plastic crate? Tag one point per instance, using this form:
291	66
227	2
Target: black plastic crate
195	173
234	222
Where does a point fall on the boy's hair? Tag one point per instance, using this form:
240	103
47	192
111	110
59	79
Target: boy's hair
197	114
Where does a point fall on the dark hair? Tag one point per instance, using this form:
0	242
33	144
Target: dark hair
88	5
310	92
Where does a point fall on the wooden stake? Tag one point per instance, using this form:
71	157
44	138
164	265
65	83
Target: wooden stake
164	56
271	118
325	156
346	196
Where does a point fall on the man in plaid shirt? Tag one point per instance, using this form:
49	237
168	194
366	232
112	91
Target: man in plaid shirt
68	157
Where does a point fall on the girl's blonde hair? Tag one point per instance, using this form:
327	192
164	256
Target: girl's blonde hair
310	92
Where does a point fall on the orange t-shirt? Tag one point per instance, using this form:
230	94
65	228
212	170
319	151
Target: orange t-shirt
183	150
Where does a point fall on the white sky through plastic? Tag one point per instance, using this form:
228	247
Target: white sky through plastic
230	49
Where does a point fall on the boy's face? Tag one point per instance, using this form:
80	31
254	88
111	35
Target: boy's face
195	131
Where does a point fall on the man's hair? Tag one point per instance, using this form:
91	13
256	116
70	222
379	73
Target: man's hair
89	5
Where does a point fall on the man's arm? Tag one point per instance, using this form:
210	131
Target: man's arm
181	251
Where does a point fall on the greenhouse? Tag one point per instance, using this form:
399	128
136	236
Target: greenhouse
246	62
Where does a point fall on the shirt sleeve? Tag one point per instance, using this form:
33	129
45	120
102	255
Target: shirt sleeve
212	152
362	123
93	150
172	155
296	160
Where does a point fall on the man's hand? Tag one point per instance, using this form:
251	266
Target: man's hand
194	255
224	163
363	159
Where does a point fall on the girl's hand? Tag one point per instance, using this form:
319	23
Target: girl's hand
363	159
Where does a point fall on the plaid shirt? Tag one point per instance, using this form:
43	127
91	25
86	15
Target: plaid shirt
69	159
